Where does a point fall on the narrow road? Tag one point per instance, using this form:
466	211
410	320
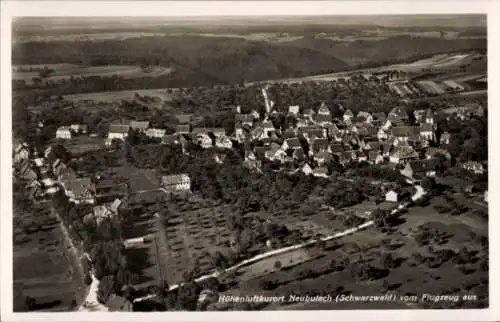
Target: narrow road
418	194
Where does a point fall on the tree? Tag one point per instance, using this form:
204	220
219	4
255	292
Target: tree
277	264
88	279
105	289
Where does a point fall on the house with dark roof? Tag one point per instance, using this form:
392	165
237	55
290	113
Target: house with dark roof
79	190
427	132
140	126
244	119
323	119
348	114
176	182
311	133
293	143
405	134
364	117
419	168
118	131
379	117
323	157
184	118
183	128
400	112
275	153
25	170
375	157
402	155
319	145
223	142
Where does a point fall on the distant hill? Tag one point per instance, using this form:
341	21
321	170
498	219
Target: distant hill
228	60
210	60
399	48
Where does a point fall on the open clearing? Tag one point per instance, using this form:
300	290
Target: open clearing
113	96
66	71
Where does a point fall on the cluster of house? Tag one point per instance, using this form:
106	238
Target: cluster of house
316	138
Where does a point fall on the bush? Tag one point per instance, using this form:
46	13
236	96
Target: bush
277	265
267	285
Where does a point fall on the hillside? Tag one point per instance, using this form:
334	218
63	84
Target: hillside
400	48
225	59
199	60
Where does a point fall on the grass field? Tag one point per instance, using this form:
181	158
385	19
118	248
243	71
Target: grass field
44	266
112	96
411	275
66	71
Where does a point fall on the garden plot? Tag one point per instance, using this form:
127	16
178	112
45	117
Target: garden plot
431	87
192	236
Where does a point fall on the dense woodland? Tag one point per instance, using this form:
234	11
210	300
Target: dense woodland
203	61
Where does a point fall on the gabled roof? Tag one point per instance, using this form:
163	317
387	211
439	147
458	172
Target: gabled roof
322	118
293	143
404	131
319	145
379	116
426	128
173	179
348	112
200	130
404	153
118	128
309	111
63	128
139	125
244	117
323	155
323	109
184	118
420	165
337	148
373	155
293	109
399	111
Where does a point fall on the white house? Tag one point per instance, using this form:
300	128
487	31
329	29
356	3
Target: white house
306	169
155	133
293	109
79	128
324	110
118	131
223	142
140	126
391	196
64	132
176	182
320	172
348	115
427	132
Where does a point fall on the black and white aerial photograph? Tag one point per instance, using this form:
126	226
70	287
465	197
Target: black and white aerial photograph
249	163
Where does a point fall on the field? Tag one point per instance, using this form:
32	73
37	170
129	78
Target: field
66	71
44	266
83	144
419	267
113	96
